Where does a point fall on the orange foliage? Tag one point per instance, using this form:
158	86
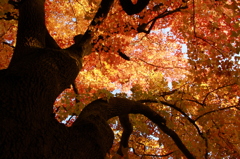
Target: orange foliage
195	51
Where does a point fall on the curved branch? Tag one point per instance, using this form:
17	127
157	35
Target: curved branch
220	109
141	28
176	108
104	110
204	101
177	140
206	96
193	122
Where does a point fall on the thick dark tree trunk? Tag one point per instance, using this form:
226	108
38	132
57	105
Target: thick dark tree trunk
38	73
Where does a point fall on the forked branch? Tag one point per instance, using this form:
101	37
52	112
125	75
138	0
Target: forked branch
122	107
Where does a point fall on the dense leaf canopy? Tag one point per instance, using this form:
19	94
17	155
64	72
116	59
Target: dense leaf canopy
179	57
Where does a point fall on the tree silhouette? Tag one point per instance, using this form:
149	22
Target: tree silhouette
40	70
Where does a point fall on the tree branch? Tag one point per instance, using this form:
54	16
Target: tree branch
131	8
102	12
220	109
204	101
127	131
83	43
205	98
105	110
176	108
193	122
141	28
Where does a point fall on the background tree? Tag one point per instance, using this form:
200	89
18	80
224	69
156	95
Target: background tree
177	62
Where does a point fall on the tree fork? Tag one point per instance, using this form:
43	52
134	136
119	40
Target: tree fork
122	107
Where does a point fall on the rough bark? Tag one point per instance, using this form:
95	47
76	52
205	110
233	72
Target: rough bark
38	73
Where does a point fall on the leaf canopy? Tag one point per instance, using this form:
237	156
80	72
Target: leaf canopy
180	57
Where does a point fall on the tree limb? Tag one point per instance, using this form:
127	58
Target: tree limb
102	12
220	109
131	8
83	43
141	28
204	101
122	107
176	108
193	122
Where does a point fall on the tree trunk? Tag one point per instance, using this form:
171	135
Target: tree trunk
39	71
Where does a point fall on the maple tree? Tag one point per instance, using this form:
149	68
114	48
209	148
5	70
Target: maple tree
171	68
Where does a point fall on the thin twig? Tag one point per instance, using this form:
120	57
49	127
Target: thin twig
220	109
